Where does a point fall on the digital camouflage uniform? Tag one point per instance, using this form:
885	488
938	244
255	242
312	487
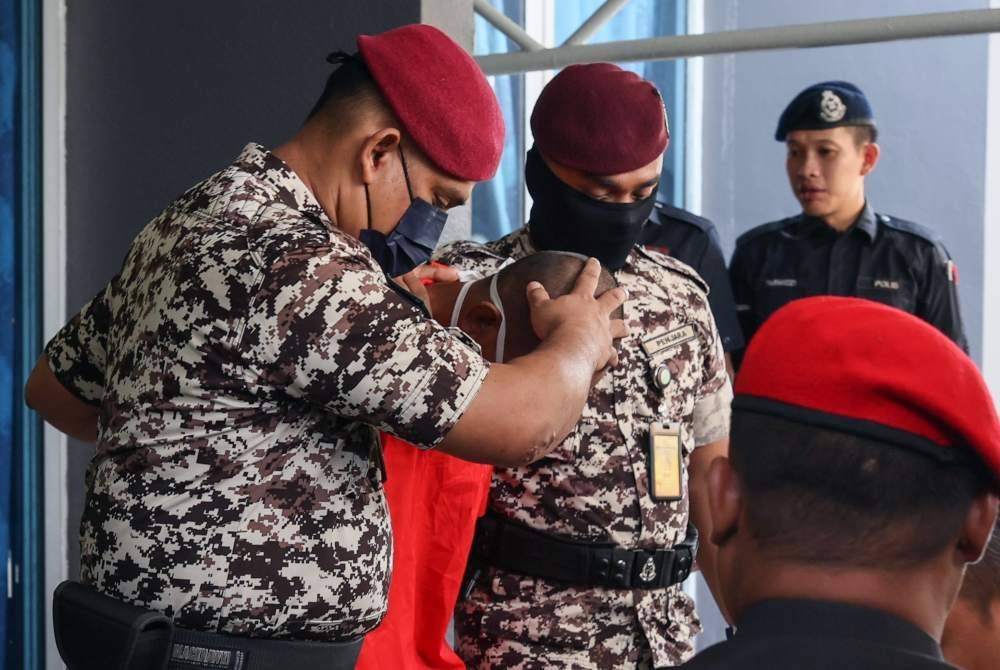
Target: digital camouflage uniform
594	485
240	360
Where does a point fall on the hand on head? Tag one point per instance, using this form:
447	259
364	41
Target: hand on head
582	315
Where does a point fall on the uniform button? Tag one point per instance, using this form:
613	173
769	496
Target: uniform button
662	376
620	564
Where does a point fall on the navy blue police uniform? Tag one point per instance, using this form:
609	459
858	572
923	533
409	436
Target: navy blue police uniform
880	257
694	241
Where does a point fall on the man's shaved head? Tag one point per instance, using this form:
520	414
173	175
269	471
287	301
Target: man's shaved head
557	271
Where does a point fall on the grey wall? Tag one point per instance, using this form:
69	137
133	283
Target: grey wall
162	94
929	98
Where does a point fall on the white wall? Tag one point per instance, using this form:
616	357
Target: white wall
929	98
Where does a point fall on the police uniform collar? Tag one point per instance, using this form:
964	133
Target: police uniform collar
867	222
288	188
827	619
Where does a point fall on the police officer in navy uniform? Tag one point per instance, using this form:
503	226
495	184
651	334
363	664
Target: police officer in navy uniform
838	244
693	240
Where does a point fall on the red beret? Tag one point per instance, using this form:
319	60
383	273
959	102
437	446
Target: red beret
600	119
868	369
440	96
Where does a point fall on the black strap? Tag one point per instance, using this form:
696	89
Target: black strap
514	547
194	650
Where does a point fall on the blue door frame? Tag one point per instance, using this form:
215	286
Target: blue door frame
21	481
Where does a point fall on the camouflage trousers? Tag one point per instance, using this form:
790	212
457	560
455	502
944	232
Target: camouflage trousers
516	622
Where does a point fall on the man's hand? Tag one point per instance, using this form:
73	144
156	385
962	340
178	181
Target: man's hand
581	316
416	280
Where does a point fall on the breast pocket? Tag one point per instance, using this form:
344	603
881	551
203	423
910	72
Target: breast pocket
774	293
899	293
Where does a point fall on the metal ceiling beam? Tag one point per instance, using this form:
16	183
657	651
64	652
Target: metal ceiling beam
601	16
504	24
835	33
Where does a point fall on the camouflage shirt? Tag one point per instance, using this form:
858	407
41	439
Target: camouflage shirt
594	486
241	360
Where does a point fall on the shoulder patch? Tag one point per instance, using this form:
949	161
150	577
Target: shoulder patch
674	265
667	213
764	229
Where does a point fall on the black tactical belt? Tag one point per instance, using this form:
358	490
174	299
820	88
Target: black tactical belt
193	650
516	548
94	631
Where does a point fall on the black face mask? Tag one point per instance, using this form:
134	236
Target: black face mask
413	239
564	219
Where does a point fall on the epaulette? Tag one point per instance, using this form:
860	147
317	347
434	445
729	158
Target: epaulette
764	229
673	265
466	250
915	229
921	232
668	211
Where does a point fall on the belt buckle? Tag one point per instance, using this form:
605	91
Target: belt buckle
647	568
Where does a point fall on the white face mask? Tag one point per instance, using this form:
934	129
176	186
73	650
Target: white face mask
495	299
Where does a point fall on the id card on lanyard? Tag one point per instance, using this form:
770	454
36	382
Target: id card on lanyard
664	463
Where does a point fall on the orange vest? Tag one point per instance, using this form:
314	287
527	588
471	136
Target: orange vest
434	501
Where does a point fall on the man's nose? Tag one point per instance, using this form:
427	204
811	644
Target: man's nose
809	166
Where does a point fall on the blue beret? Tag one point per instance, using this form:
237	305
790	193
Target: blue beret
828	104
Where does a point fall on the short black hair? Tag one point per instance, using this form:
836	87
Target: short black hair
981	586
349	86
557	271
864	134
821	496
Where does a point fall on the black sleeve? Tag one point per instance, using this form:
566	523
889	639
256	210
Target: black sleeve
712	269
741	277
938	300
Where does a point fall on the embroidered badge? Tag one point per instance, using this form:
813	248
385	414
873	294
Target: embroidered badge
831	107
648	573
658	343
890	284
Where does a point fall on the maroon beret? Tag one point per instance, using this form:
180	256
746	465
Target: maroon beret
440	96
869	369
600	119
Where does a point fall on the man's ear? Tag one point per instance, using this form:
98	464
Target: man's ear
482	320
977	528
725	500
375	152
871	155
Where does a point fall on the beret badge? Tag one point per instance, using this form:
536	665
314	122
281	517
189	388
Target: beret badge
831	107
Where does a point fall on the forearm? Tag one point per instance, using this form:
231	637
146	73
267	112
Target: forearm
525	408
58	406
700	516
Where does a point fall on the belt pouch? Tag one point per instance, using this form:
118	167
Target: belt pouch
97	632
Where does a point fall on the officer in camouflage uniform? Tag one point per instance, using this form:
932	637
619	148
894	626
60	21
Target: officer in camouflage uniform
251	344
577	565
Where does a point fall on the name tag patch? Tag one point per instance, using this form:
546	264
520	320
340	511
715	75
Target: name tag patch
772	283
657	343
890	284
